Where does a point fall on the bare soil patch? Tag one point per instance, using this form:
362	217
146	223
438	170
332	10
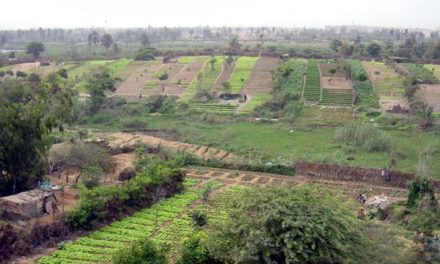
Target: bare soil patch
336	83
430	94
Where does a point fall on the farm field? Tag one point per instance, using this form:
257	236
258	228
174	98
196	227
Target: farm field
312	87
336	88
362	85
388	85
337	97
295	83
205	79
242	71
99	246
420	72
254	101
261	80
435	69
430	93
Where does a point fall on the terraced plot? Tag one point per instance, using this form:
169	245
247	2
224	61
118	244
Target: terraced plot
430	94
388	85
204	80
420	72
254	101
363	87
336	88
337	97
216	108
241	73
312	87
435	69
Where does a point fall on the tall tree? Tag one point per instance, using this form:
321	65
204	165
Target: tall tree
93	39
97	84
35	48
107	41
28	112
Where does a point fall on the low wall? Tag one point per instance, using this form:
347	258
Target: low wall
356	174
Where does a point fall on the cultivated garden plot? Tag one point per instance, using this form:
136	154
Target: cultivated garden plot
336	88
312	86
430	93
241	73
434	68
420	72
388	85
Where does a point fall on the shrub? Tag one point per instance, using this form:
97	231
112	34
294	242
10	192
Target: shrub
145	54
135	124
199	218
365	136
2	73
141	252
21	74
194	252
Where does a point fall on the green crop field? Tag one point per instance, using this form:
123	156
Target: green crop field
435	69
421	72
312	87
255	101
241	73
100	245
213	108
189	59
386	80
295	82
365	95
336	97
205	79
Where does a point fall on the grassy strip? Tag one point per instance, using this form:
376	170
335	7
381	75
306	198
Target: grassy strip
365	95
255	101
241	73
420	72
312	89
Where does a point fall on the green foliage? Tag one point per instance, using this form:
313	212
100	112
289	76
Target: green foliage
161	75
419	188
420	72
241	73
161	103
21	74
63	73
373	49
365	136
199	218
28	112
91	176
194	252
97	84
282	225
365	95
107	202
35	48
145	252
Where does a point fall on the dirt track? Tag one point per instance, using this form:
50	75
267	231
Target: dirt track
120	139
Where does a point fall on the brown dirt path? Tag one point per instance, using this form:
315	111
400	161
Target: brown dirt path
120	139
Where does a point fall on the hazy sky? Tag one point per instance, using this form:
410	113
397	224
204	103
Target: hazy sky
16	14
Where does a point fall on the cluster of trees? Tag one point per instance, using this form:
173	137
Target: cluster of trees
29	109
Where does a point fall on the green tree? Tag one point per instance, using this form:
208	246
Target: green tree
335	45
97	84
35	48
107	41
28	112
283	225
373	49
212	61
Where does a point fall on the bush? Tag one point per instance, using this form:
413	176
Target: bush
199	218
145	252
194	252
289	225
21	74
145	54
107	202
135	124
365	136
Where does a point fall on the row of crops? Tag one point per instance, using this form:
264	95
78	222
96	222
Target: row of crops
365	95
241	73
213	108
100	246
337	97
312	87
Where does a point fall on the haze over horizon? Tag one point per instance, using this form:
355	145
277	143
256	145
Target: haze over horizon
172	13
